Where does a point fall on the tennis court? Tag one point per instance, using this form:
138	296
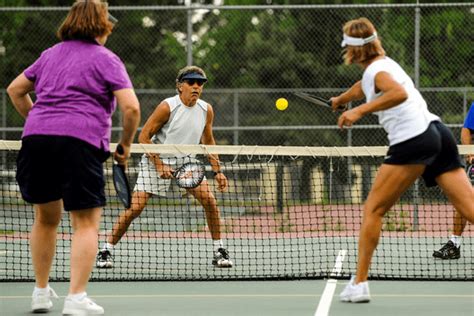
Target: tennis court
256	298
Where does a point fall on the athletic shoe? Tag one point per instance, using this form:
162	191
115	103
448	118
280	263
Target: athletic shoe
41	301
222	259
85	306
104	259
356	293
448	251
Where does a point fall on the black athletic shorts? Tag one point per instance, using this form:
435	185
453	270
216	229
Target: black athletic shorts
50	168
436	148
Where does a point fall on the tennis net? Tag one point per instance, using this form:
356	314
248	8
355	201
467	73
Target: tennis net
288	213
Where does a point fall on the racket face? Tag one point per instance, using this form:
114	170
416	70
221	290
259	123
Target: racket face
189	175
314	99
121	185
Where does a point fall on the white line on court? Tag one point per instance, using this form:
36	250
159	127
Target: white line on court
328	293
131	296
177	296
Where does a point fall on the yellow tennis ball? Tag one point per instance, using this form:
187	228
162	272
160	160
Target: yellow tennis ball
281	104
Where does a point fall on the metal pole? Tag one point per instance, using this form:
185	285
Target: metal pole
464	104
236	118
279	189
349	163
189	36
4	124
417	47
4	113
416	187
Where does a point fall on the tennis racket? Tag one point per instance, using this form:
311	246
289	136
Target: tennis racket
122	187
318	100
189	175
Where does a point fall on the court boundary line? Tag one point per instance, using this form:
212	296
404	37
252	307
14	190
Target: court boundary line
14	297
328	293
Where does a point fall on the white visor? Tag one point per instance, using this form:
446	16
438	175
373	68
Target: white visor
357	41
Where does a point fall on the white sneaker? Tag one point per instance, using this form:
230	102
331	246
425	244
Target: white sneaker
85	306
41	301
221	259
356	293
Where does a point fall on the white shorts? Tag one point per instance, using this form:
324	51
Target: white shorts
149	180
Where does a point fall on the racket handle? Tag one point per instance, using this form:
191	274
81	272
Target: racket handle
119	149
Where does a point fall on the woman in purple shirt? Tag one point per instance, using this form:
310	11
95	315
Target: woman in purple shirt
65	141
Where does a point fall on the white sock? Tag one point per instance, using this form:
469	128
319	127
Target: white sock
42	290
218	244
77	296
456	240
107	246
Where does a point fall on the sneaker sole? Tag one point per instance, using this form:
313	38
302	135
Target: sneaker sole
80	312
225	264
107	265
446	258
357	299
361	299
42	308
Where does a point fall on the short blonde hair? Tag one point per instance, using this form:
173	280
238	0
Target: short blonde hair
361	28
87	19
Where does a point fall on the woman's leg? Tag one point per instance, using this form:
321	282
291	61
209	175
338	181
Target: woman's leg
459	191
390	183
139	200
85	225
43	239
459	223
204	195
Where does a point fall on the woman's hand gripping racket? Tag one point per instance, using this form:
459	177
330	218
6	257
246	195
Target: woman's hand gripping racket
318	100
189	175
121	184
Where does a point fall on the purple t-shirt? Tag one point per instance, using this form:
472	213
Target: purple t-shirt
74	83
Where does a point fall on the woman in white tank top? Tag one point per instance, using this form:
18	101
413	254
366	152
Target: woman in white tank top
420	145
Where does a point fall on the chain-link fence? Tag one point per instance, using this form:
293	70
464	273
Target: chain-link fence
256	54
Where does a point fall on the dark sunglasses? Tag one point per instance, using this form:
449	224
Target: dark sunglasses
191	82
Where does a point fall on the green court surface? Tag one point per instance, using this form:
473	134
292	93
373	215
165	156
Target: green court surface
256	298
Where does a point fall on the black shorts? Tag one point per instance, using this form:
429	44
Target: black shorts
50	168
436	148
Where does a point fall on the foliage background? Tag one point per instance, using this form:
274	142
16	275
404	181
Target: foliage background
254	55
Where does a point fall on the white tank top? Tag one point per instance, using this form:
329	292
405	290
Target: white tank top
406	120
185	124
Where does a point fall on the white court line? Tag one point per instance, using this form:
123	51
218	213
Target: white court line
132	296
328	293
177	296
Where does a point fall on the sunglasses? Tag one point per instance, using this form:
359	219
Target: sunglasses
191	82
